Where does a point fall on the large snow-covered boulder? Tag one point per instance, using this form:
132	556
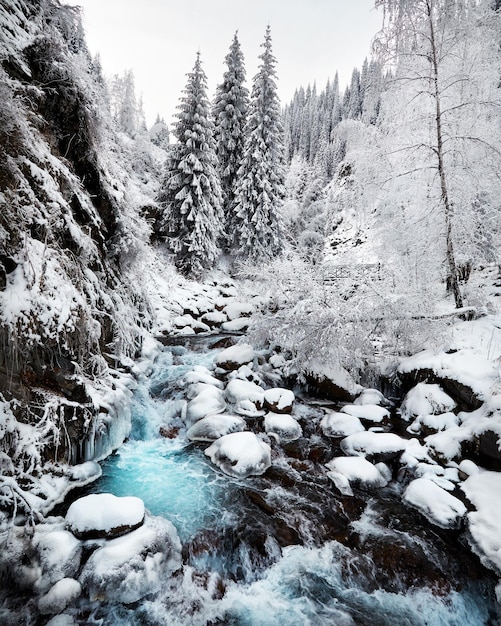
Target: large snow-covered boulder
240	454
213	427
428	424
234	357
283	426
238	390
426	399
346	471
366	412
335	424
131	567
436	504
210	400
334	382
279	400
375	446
104	515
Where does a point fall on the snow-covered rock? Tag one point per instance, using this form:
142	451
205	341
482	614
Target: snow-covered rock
371	396
213	319
238	325
334	382
238	390
367	412
335	424
61	595
235	356
184	322
210	400
283	426
236	310
277	361
427	424
482	489
240	454
201	374
436	504
247	408
213	427
133	566
104	515
346	471
59	553
426	399
376	446
279	400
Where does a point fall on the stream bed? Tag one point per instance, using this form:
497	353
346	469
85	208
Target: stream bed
283	548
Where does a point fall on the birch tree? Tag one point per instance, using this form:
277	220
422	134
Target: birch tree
442	122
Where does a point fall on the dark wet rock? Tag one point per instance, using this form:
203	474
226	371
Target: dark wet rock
169	432
465	397
485	450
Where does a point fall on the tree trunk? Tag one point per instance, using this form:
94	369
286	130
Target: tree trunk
452	269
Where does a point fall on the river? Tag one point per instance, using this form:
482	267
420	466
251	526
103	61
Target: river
284	548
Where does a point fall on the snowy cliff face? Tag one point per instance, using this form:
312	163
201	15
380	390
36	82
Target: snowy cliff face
71	308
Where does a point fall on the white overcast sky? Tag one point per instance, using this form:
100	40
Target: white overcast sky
159	39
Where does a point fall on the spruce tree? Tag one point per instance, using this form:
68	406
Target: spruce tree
229	111
190	195
260	187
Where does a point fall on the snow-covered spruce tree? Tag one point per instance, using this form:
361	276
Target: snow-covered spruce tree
190	194
229	112
256	225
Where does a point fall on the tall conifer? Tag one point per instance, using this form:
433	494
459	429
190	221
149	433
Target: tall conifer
260	189
190	195
229	112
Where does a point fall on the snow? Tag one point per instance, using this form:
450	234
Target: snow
213	427
238	390
279	400
343	471
236	310
335	424
371	444
63	593
59	552
426	399
240	454
436	504
210	400
200	374
369	412
130	567
371	396
236	326
470	356
277	361
284	427
482	488
103	513
235	356
337	375
443	421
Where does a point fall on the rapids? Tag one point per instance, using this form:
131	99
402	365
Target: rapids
278	549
